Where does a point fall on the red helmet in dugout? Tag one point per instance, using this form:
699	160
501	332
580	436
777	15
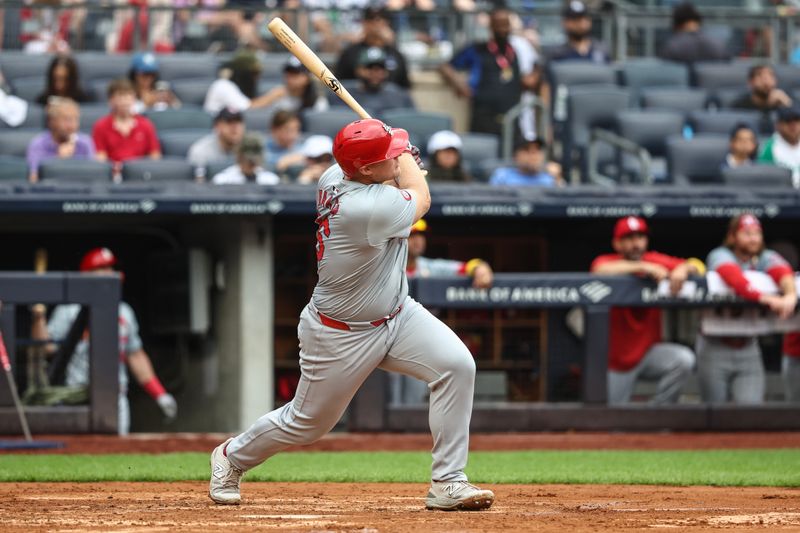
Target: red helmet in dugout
97	258
365	142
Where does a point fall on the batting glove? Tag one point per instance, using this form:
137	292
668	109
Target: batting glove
168	406
414	151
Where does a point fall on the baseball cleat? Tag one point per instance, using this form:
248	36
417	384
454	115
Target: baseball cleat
224	486
458	496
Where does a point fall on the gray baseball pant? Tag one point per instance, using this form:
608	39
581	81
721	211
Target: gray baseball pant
334	364
730	374
790	369
668	363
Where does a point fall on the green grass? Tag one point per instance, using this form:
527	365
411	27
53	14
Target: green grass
712	467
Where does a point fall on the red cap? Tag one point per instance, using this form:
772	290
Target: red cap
97	258
627	225
365	142
748	221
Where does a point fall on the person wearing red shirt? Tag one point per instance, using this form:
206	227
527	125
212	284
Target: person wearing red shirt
635	347
123	135
730	368
791	366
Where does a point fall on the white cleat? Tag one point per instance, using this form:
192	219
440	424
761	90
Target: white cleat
458	496
224	486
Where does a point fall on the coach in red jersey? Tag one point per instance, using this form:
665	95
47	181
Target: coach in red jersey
635	347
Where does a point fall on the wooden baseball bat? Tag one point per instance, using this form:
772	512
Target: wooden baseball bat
313	63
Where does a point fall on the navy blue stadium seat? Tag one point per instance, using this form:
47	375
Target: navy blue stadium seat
258	119
75	170
722	122
272	66
419	124
167	169
102	66
215	167
697	160
16	141
177	143
13	168
571	73
327	122
91	113
639	75
758	176
34	119
180	119
681	99
788	77
187	65
478	147
650	130
716	75
15	65
192	91
28	88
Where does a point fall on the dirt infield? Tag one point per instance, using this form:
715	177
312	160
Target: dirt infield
155	507
176	442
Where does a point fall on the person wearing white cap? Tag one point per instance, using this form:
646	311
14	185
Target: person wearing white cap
444	148
318	153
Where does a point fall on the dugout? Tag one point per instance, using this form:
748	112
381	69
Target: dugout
250	254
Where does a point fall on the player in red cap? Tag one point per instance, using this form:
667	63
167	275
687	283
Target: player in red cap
360	318
131	351
635	348
730	368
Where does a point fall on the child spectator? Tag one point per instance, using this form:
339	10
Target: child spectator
742	148
283	149
151	93
529	169
249	165
444	148
318	153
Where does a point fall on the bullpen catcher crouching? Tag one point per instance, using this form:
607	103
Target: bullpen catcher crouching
360	318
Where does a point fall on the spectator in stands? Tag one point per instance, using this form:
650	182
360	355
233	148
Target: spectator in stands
742	148
376	33
299	91
282	149
635	349
580	45
529	170
730	368
405	389
687	44
318	153
374	92
122	134
151	93
101	261
63	79
495	82
62	140
783	148
220	144
237	86
790	366
249	165
444	150
764	94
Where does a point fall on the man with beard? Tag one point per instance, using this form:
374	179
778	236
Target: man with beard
494	83
730	368
375	92
635	348
688	44
764	94
578	28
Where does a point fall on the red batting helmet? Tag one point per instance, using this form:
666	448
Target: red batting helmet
97	258
365	142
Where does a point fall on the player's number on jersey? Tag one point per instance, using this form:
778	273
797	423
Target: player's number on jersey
323	231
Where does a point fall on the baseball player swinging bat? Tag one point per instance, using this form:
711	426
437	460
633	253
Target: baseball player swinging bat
313	63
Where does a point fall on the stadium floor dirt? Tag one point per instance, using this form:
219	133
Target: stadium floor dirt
152	507
195	442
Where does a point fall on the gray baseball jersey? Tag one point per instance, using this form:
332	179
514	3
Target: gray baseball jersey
361	247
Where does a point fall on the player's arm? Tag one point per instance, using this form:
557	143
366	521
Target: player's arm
142	370
39	330
412	179
623	266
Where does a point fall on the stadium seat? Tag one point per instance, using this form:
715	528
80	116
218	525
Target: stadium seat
650	130
168	169
102	66
187	65
683	100
716	75
419	124
177	143
758	176
98	89
265	86
215	167
259	119
91	113
16	65
16	141
788	77
13	168
697	160
571	73
272	66
644	74
180	119
192	91
75	170
722	122
479	147
34	119
327	122
28	88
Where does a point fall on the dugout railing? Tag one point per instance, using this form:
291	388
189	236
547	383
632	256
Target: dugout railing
596	295
100	296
